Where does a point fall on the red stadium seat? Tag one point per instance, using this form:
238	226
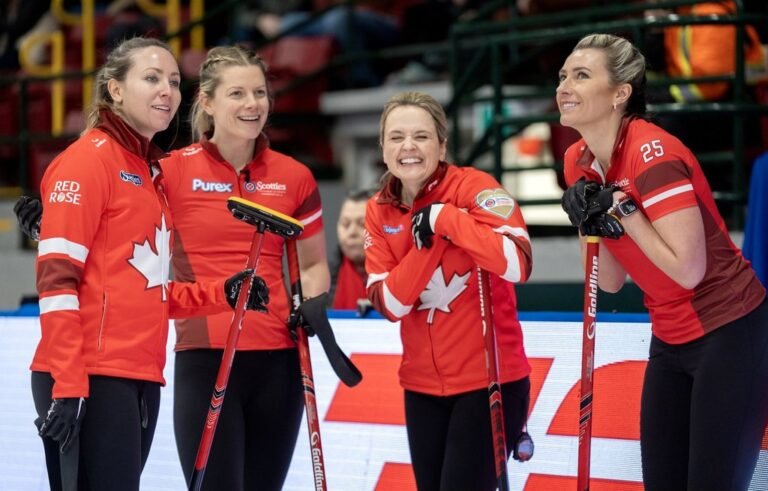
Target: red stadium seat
40	156
292	57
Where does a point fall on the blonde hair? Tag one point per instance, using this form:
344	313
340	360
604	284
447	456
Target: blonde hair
119	62
218	58
418	99
625	64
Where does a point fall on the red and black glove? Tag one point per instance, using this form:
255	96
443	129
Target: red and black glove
423	225
259	294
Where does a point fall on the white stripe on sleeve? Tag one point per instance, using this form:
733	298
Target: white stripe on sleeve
59	245
667	194
515	231
511	253
393	304
312	217
59	302
374	277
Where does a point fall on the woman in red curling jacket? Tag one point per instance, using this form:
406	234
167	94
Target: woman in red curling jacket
102	277
704	403
430	285
260	419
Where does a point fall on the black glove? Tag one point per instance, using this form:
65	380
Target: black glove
600	202
63	421
603	225
28	212
295	321
259	297
423	223
576	199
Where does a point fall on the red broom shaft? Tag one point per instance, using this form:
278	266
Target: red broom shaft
494	387
587	362
307	379
222	378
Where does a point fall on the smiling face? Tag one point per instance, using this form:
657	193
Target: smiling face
411	148
350	230
240	103
149	96
586	95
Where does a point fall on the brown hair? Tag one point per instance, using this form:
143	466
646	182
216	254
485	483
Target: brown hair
418	99
119	62
218	58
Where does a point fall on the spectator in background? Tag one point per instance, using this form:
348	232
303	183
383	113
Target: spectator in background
430	22
366	26
348	276
17	20
127	20
702	50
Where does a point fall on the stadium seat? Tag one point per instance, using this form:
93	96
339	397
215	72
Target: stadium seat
292	57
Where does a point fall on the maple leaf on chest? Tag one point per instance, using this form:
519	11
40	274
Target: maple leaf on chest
153	260
438	294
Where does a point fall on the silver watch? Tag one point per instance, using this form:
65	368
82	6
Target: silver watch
623	208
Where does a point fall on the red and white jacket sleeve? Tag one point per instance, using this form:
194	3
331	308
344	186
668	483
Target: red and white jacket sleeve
196	299
486	222
74	197
395	284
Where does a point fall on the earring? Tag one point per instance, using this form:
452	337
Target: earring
614	106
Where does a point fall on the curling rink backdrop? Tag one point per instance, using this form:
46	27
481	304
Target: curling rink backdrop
363	432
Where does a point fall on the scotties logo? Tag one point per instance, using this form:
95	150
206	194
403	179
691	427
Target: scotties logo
496	201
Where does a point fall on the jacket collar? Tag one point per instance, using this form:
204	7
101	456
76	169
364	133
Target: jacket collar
392	190
587	157
262	143
128	138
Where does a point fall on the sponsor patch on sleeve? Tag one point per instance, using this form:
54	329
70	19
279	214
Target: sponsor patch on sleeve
65	192
496	201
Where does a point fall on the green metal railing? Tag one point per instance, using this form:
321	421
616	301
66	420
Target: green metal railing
482	52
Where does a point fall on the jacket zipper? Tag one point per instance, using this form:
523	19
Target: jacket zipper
434	361
101	324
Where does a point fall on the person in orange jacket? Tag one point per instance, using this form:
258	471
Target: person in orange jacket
103	279
701	50
428	230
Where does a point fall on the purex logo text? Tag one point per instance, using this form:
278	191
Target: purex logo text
211	187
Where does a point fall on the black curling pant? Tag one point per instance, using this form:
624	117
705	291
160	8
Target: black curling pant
259	421
114	444
450	437
704	408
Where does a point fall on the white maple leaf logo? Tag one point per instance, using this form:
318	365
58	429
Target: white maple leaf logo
438	295
153	262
